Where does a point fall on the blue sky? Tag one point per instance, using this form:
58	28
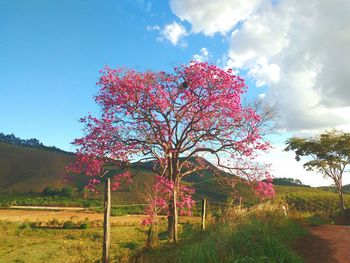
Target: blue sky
51	53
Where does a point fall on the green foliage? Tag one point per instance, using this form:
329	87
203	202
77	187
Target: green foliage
67	191
329	150
50	191
7	200
68	225
288	182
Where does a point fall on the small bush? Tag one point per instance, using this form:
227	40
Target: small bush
84	225
68	225
67	192
50	191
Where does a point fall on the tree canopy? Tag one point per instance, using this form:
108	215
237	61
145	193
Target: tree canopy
329	153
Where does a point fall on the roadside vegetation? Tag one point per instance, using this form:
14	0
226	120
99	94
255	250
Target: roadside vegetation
264	234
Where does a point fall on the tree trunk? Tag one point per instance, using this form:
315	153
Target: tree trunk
175	236
171	221
341	200
106	222
339	186
204	204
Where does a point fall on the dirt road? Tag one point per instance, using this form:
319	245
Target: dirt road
42	215
17	215
326	244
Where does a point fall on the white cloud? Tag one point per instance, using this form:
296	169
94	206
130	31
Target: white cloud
264	72
298	49
203	56
174	32
261	96
212	16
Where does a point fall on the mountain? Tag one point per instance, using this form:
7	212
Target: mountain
33	143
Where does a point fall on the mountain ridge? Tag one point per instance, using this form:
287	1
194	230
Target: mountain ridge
33	142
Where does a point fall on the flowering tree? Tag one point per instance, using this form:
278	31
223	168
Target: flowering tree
172	119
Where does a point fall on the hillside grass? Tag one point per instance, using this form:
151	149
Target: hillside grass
25	169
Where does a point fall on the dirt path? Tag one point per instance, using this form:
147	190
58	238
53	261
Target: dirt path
326	244
29	207
42	215
17	215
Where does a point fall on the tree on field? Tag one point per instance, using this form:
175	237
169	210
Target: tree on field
330	155
175	120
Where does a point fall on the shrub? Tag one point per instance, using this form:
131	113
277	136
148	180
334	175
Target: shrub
50	191
84	225
68	225
67	192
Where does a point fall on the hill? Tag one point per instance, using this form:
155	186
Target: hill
288	182
30	169
346	188
33	143
26	169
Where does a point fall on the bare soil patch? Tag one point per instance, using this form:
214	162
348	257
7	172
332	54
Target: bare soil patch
43	216
325	244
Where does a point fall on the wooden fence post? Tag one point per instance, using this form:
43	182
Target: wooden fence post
204	204
106	222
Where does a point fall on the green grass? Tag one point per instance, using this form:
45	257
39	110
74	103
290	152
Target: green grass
34	245
256	237
316	201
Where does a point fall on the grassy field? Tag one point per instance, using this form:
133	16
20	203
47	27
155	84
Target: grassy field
33	245
261	235
62	239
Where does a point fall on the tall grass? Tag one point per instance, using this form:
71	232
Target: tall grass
261	235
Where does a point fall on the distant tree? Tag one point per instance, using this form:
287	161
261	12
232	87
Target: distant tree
287	181
51	191
329	153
